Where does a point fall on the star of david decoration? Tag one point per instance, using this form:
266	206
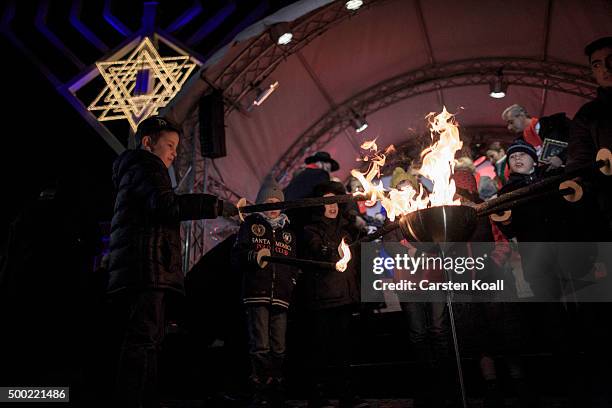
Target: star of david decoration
138	86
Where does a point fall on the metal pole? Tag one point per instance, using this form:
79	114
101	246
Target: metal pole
451	317
188	225
204	190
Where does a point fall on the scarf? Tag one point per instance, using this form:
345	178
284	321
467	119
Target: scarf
320	165
278	222
530	135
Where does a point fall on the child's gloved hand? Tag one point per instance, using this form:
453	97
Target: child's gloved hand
252	258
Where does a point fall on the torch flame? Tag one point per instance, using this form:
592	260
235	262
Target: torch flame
345	252
438	166
374	191
439	158
370	145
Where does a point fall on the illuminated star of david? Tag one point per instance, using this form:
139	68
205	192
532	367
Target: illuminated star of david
121	100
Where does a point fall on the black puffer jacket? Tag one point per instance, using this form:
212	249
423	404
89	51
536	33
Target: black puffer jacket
543	220
145	242
592	130
304	183
326	288
272	285
301	186
555	127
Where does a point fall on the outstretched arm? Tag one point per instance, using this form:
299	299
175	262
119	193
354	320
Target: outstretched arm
164	204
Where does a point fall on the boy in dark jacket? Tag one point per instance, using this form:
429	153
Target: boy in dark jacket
548	268
330	296
539	221
533	223
266	291
145	252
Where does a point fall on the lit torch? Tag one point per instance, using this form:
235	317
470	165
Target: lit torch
345	254
438	166
264	256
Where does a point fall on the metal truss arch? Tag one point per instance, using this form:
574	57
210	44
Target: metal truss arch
556	76
261	57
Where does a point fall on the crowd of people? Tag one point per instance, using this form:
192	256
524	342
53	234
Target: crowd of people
144	259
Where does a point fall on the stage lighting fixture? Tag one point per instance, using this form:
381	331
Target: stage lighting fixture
263	94
353	4
359	122
281	33
498	87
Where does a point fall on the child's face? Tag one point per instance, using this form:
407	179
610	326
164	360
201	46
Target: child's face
521	163
331	210
165	148
274	213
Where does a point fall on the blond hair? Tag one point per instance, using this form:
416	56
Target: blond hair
465	163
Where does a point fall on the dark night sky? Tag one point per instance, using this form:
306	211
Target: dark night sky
45	139
48	141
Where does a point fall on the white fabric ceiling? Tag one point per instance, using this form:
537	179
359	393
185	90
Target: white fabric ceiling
388	39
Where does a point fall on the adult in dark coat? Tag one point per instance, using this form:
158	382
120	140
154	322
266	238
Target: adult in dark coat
318	168
302	185
535	130
592	130
330	296
145	255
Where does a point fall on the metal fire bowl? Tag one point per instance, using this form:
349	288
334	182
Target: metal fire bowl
448	223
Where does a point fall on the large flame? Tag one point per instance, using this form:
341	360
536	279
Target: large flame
345	253
438	166
439	159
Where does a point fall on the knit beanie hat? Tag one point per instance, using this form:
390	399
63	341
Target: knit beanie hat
519	145
326	187
399	175
269	189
